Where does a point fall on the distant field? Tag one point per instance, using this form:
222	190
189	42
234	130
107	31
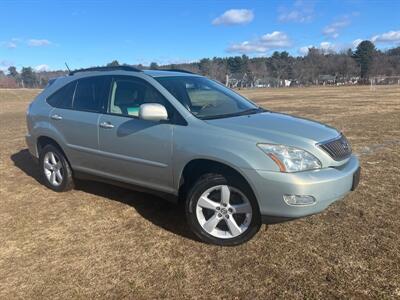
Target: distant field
107	242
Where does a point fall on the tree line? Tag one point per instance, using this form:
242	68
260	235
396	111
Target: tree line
317	65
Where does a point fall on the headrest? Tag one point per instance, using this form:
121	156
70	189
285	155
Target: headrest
127	93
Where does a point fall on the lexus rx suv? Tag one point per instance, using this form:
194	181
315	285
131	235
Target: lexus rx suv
233	164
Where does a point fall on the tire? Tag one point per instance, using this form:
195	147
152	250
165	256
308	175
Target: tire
55	169
216	222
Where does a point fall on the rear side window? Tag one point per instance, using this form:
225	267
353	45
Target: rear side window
91	93
63	97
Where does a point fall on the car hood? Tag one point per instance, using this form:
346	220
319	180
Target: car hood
277	127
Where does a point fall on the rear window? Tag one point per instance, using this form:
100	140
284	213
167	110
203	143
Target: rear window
63	97
91	93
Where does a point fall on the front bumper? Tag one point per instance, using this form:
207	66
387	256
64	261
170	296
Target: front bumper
325	185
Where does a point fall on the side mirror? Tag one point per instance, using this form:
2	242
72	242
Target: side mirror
153	112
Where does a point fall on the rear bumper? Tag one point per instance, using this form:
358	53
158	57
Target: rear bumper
325	185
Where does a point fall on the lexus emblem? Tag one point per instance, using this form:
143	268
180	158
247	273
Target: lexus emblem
345	145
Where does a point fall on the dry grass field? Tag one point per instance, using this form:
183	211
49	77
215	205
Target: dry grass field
100	241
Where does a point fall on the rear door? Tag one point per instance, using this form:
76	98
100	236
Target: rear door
77	121
135	150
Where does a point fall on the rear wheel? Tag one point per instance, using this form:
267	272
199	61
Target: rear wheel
223	211
55	169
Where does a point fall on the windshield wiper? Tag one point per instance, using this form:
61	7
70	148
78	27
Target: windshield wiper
250	111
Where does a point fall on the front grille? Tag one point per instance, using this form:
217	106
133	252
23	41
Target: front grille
338	148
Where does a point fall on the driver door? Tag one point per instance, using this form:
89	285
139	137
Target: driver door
135	150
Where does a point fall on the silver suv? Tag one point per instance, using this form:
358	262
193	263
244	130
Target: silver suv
233	164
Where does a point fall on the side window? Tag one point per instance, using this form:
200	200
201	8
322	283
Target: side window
128	94
91	93
63	97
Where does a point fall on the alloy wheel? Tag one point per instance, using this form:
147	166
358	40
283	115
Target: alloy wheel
53	168
224	212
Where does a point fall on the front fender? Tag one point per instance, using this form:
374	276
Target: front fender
239	154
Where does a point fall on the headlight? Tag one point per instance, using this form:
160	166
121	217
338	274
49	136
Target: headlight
290	159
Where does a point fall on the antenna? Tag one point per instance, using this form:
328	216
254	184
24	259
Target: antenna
67	67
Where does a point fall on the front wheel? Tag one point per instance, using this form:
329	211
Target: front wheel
223	211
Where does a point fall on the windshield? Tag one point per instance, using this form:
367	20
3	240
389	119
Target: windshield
207	99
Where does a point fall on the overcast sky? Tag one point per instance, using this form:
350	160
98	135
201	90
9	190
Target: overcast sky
45	34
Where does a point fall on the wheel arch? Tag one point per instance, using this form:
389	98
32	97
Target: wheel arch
44	140
200	166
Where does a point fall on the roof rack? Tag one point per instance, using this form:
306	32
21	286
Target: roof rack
113	68
176	70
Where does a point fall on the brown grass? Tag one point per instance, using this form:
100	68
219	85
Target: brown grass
107	242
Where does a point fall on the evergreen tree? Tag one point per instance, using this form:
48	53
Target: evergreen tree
153	66
114	63
12	72
364	56
28	77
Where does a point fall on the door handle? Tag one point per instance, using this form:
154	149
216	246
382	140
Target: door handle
106	125
56	117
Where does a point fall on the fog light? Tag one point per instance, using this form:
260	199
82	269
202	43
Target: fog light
299	200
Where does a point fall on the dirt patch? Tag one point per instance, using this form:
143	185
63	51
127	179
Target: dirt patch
107	242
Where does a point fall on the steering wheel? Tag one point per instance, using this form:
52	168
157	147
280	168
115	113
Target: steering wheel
207	106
